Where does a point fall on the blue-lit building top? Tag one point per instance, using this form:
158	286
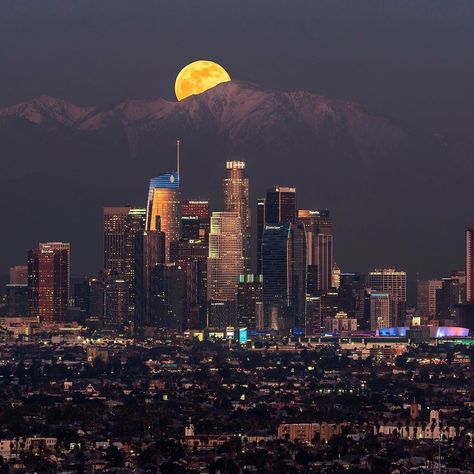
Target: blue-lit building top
167	181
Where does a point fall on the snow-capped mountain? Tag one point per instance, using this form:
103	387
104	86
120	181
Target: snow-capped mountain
61	163
244	115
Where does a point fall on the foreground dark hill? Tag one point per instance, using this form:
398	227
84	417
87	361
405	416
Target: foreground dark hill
60	163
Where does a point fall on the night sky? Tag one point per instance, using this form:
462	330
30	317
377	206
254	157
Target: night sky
412	61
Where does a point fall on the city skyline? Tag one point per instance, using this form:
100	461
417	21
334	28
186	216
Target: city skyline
238	237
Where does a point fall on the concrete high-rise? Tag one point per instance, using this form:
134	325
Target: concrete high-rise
235	191
164	204
318	225
469	262
260	229
426	297
381	314
224	266
394	283
447	297
121	225
192	256
249	300
389	280
284	276
168	296
48	281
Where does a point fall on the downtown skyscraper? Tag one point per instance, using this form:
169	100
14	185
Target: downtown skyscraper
164	205
318	224
121	225
225	264
284	276
235	191
48	281
469	262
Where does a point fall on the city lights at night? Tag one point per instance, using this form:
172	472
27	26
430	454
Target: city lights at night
239	237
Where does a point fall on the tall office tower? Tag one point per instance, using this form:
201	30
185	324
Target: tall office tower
284	276
193	210
469	262
114	238
48	281
192	256
96	295
149	252
168	296
330	306
389	280
353	298
121	224
426	297
447	297
224	265
460	275
313	316
381	314
82	296
115	313
318	224
235	192
19	275
17	299
324	261
280	205
249	299
393	282
164	202
260	229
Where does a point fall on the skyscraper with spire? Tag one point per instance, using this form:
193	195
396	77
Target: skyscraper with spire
164	203
235	190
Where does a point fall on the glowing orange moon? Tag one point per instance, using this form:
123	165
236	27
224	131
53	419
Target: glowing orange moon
198	77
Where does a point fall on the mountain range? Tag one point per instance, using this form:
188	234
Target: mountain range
61	163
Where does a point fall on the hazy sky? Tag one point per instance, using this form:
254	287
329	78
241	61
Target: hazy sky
412	60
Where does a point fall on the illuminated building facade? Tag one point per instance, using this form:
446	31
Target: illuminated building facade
195	219
235	191
313	316
164	204
224	266
48	281
318	225
394	283
389	280
116	306
469	262
249	299
381	312
121	225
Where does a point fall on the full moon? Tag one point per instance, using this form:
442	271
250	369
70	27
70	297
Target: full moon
198	77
